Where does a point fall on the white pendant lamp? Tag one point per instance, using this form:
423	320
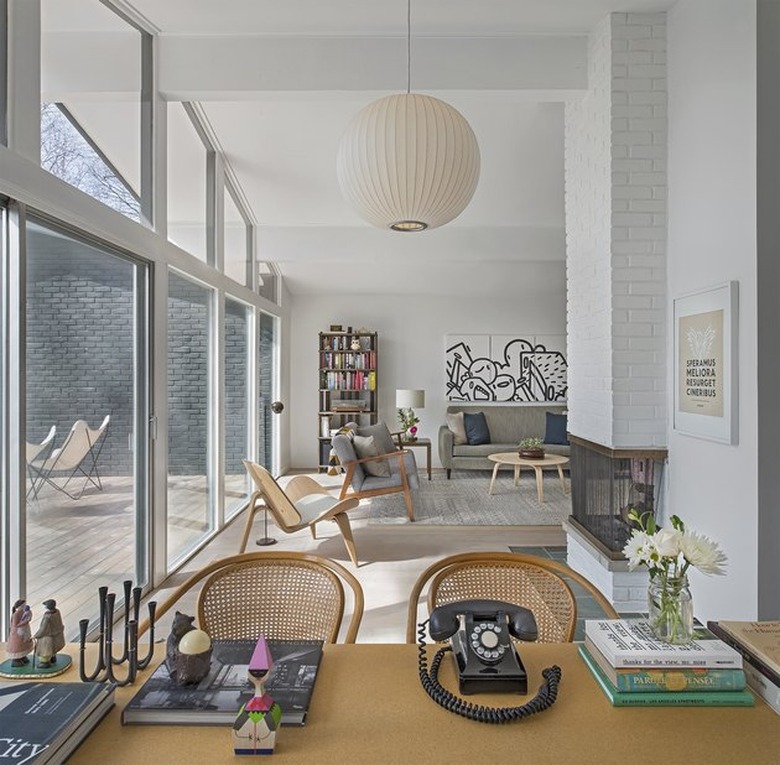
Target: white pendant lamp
408	162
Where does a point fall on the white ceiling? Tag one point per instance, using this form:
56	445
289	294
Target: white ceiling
279	81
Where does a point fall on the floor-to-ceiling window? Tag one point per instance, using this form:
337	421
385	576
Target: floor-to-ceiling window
94	131
85	388
238	447
190	424
267	370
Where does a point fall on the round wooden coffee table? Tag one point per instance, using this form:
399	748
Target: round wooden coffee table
514	459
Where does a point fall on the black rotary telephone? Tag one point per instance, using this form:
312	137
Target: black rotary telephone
479	633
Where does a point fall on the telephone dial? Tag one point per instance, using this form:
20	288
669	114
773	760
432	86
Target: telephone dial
480	634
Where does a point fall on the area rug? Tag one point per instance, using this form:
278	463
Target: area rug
463	501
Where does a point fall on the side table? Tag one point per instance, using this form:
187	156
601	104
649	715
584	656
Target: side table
424	443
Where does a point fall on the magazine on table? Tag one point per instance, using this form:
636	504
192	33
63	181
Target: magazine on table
217	698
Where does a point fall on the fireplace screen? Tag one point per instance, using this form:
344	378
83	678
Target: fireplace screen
607	483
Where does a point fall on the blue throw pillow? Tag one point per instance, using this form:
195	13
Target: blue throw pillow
556	427
476	428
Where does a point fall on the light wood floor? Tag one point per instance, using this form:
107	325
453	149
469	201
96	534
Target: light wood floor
76	546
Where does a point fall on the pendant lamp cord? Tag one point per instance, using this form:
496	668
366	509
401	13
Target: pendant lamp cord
408	46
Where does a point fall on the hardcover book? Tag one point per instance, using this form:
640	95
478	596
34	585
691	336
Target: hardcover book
761	638
743	698
748	655
44	722
631	643
667	679
762	686
216	699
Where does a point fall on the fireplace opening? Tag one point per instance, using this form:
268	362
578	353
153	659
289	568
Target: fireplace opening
605	484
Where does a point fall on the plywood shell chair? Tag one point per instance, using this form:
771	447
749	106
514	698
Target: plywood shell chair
281	595
304	504
527	580
77	457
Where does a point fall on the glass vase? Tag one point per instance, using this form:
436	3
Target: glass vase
670	608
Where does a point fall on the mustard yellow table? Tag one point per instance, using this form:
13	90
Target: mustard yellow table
368	707
513	458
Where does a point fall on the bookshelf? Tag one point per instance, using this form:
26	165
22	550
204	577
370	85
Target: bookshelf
347	384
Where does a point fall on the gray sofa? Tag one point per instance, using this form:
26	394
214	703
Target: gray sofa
507	425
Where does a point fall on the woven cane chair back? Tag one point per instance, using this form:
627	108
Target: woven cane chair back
281	595
525	580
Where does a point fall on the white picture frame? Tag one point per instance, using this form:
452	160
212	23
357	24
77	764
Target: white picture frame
706	363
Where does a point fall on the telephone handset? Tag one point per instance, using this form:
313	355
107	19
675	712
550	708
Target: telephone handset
479	633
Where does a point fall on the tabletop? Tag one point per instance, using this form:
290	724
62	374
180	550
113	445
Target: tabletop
368	707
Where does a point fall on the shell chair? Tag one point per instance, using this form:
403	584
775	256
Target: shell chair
304	504
281	595
536	583
75	459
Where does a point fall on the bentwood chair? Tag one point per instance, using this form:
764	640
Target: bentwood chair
304	504
280	595
536	583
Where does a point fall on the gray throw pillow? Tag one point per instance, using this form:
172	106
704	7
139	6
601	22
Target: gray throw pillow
455	424
382	439
366	447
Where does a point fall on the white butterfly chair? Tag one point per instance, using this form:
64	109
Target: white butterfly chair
34	452
77	457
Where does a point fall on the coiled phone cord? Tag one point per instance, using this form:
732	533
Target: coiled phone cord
544	699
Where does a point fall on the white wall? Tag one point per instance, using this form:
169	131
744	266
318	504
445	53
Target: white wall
411	346
712	239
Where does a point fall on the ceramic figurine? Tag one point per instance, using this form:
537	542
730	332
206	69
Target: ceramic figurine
181	625
20	642
254	731
50	636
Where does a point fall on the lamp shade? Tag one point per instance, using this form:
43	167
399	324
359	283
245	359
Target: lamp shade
408	162
410	399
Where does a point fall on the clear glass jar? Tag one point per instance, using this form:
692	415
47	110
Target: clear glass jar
670	608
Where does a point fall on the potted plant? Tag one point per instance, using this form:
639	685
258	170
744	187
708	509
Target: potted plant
531	448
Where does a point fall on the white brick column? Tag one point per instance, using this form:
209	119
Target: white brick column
615	197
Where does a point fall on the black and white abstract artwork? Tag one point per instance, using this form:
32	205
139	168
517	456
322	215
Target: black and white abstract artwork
505	368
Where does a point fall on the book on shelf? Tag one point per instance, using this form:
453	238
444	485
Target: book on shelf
743	698
667	679
44	722
631	643
216	699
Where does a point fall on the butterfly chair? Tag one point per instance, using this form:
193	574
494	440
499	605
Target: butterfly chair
374	466
281	595
304	504
34	452
77	457
536	583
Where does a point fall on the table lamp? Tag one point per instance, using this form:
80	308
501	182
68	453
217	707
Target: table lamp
407	401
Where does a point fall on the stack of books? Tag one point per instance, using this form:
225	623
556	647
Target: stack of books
759	645
634	668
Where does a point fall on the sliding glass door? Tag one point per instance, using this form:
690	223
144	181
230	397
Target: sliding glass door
191	426
86	415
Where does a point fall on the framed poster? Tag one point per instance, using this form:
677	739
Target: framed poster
705	363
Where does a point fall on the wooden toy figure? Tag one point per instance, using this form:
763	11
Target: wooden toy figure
254	731
20	642
50	635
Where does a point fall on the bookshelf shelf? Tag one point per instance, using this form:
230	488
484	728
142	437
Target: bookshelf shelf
347	386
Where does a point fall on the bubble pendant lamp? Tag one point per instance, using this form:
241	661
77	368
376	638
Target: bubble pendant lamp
408	162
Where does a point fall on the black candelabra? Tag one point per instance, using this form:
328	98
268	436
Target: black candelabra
104	669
